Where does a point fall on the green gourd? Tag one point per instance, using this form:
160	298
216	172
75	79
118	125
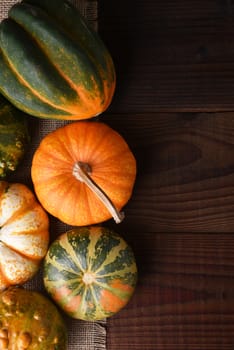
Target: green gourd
54	65
29	320
14	137
90	272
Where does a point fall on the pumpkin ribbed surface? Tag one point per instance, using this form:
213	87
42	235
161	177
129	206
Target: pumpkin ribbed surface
29	320
109	162
24	234
53	65
90	272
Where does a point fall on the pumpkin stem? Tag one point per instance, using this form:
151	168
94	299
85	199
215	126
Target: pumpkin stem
79	171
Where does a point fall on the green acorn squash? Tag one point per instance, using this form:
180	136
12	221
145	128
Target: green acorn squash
90	272
14	137
52	64
29	320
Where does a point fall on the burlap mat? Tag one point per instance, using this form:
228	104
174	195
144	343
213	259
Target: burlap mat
82	335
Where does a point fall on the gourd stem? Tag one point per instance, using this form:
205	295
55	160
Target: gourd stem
82	175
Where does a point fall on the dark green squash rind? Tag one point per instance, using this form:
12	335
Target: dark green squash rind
16	93
56	43
75	25
54	65
14	137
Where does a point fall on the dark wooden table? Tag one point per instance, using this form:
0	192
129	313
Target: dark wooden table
174	104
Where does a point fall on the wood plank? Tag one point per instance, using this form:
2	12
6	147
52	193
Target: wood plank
171	56
185	179
184	299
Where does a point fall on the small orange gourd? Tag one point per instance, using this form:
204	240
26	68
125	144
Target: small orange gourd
24	235
83	173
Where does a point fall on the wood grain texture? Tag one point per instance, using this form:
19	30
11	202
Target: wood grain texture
185	297
171	55
185	177
174	104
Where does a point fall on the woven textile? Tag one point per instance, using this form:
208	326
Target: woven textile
81	335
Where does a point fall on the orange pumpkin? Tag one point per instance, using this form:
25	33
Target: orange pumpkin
83	173
24	234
